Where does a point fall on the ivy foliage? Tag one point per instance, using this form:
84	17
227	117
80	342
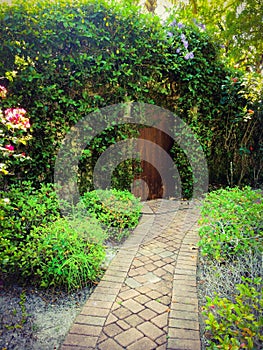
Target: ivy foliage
72	58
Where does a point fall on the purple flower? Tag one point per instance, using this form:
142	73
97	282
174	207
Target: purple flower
170	34
173	23
180	25
178	50
202	26
185	42
189	55
183	37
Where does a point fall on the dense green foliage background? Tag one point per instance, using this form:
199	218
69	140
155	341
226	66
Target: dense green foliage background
74	57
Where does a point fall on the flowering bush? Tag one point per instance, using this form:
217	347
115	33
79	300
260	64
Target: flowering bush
13	126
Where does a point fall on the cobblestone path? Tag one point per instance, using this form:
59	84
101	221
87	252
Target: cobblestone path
147	298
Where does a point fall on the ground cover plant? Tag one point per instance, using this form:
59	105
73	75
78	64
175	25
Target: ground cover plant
230	269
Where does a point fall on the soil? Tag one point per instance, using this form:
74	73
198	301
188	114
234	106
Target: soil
43	319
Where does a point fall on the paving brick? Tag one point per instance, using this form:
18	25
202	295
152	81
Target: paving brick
168	277
161	347
181	271
143	343
124	325
145	259
168	260
159	263
111	278
131	293
90	320
112	330
169	268
133	306
105	290
133	272
134	320
112	273
161	320
92	311
137	263
121	264
160	272
150	330
150	267
185	288
128	337
155	258
185	279
103	297
122	313
161	340
111	319
162	287
115	306
183	344
154	294
166	300
184	315
143	289
132	283
156	307
142	299
147	314
184	307
83	341
183	324
183	333
185	300
109	344
98	304
152	278
166	254
85	329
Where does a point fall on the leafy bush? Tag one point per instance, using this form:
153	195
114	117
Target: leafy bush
67	253
21	210
231	223
118	211
36	244
236	323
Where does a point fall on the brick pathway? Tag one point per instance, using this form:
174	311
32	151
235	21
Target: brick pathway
147	298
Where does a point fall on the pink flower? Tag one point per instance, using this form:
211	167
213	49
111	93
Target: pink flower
15	116
3	91
9	147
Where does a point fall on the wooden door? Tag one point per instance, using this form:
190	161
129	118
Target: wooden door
150	184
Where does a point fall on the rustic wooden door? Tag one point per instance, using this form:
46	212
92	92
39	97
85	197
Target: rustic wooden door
150	184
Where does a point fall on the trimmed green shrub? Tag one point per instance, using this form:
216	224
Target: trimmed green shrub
236	323
65	253
118	211
231	223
